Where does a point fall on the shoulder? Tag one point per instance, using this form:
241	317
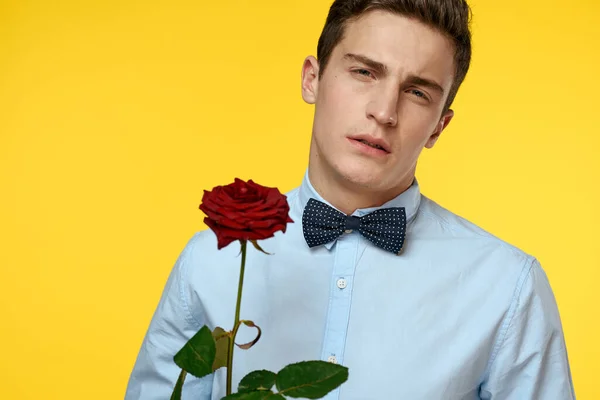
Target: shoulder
442	224
201	260
202	246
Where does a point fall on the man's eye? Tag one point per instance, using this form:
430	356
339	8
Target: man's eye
363	72
418	93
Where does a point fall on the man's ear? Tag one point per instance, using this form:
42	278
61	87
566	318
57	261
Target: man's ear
444	121
310	79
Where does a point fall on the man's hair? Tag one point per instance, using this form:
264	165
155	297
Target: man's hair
450	17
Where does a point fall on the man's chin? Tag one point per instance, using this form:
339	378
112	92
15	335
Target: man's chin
363	178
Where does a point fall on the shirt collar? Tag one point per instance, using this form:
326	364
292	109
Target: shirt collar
409	199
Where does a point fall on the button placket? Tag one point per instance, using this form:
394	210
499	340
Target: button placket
344	265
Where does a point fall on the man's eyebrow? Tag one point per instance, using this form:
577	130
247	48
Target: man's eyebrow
383	69
376	65
420	81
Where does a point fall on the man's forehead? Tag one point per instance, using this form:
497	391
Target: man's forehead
403	45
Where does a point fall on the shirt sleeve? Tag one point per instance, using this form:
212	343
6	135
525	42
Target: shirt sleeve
531	360
155	373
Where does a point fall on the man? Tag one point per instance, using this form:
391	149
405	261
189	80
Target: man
456	314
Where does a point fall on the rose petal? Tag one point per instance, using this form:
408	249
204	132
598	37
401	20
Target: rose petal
263	224
245	210
223	239
229	220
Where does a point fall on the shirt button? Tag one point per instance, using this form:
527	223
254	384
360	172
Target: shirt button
341	283
348	231
332	359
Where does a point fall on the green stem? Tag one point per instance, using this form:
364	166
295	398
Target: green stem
236	323
176	395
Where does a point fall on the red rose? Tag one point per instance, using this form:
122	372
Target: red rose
244	211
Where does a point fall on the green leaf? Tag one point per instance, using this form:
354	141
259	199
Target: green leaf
310	379
257	247
176	395
198	354
222	340
257	380
251	324
260	395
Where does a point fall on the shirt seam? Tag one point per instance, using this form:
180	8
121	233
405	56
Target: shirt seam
451	226
508	319
189	317
486	235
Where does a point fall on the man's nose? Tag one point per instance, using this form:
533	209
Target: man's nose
383	108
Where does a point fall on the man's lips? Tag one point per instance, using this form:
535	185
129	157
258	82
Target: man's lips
376	143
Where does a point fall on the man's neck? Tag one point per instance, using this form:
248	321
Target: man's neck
348	197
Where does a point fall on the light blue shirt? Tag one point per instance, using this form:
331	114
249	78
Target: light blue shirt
459	314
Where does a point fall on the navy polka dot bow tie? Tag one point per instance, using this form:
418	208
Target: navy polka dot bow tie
385	227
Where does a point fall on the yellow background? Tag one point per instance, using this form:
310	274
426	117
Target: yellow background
115	115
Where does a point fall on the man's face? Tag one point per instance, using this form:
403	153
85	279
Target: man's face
386	83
